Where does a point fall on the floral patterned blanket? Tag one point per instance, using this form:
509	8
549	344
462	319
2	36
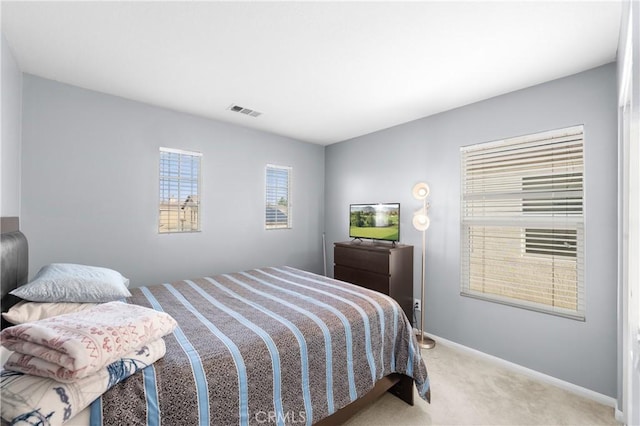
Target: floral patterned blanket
73	346
32	400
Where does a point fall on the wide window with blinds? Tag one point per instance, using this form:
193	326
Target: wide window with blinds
522	221
278	197
179	191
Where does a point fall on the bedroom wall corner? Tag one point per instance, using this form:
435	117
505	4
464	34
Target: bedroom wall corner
384	166
10	150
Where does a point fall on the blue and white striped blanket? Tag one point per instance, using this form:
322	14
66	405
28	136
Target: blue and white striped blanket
271	345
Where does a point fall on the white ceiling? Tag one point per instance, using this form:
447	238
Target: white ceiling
319	72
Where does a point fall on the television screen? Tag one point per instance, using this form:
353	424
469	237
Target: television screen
375	221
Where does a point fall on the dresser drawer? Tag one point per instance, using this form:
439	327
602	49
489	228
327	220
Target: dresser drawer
362	278
373	261
382	267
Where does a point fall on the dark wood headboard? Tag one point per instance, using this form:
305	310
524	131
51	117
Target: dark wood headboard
14	267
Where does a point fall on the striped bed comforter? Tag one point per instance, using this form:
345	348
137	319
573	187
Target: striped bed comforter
272	345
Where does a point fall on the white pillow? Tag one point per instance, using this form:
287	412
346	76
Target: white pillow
67	282
25	311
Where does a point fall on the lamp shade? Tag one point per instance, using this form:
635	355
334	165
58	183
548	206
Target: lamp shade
420	191
421	221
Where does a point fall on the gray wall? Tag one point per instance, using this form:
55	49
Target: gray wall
90	188
11	126
384	166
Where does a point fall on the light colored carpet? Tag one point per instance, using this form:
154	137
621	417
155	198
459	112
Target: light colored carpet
468	390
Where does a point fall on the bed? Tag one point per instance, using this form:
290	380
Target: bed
271	345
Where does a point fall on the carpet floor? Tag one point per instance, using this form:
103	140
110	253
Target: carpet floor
469	390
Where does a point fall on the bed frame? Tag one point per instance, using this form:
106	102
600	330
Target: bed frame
14	273
15	261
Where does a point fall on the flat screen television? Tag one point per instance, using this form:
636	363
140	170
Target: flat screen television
375	221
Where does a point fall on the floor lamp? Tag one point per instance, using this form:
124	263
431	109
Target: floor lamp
421	222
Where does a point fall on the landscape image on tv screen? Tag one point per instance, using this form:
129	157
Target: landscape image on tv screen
375	221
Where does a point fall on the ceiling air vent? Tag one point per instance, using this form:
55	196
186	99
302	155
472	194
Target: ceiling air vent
243	110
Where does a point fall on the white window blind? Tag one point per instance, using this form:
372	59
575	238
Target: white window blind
522	221
179	191
278	197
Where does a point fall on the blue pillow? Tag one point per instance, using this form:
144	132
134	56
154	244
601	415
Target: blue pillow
67	282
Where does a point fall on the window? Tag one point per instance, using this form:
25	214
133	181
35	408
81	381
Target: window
179	191
522	221
278	197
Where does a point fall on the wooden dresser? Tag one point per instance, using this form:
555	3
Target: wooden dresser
377	266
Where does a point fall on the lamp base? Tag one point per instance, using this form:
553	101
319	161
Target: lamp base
425	342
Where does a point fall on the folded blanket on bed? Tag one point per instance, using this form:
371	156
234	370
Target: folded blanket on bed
29	400
72	346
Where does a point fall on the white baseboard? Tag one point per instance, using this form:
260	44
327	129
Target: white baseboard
570	387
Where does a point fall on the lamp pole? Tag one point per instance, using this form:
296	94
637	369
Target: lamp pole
421	222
